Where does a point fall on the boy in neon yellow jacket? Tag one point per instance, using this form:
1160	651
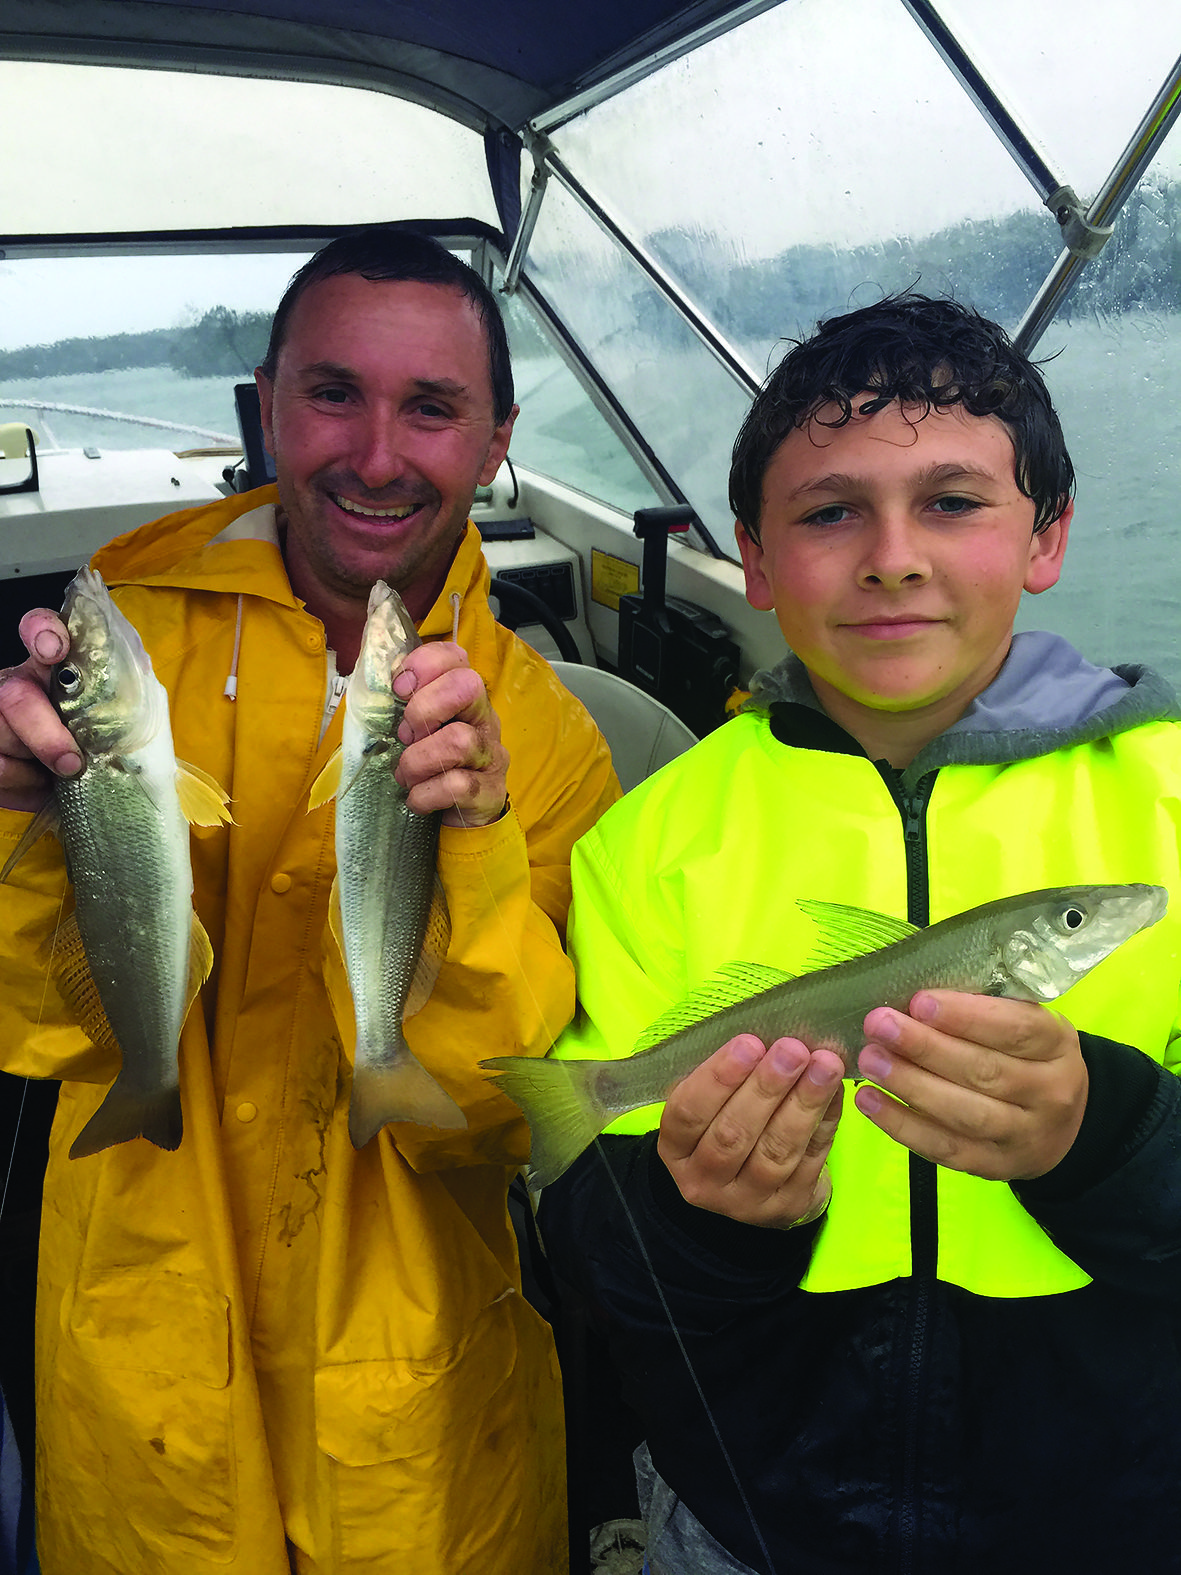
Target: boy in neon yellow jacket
930	1322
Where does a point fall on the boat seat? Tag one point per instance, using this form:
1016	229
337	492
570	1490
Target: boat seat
643	734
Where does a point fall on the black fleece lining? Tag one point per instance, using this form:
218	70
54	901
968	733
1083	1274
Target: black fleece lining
802	727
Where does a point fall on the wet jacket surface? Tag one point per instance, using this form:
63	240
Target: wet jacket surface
943	1374
267	1337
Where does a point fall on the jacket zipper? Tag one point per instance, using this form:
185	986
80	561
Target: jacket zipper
924	1214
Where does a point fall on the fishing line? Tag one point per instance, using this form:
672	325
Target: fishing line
684	1350
630	1217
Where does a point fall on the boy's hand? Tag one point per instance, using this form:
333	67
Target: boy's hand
453	760
992	1087
747	1134
34	741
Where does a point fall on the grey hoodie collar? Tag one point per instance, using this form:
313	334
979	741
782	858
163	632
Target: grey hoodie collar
1045	697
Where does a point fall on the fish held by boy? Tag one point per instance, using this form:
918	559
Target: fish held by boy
387	910
1031	947
131	958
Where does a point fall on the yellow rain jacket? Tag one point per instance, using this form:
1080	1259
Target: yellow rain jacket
267	1351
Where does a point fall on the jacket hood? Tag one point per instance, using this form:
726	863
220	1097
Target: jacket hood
1045	697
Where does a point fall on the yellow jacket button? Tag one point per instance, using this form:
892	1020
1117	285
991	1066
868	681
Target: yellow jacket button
247	1111
280	883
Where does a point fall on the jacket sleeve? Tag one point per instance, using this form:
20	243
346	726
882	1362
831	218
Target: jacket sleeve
506	986
38	1037
1114	1202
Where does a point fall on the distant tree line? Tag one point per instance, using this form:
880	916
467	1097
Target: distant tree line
995	265
222	343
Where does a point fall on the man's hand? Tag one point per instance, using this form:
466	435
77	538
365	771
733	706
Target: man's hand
747	1134
993	1087
34	743
453	760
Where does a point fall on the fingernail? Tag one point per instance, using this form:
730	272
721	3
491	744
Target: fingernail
48	646
785	1060
820	1074
925	1008
747	1052
874	1062
885	1027
868	1100
68	765
405	683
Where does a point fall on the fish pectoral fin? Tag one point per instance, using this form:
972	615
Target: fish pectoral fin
200	962
71	974
846	932
327	784
46	819
203	802
734	983
434	949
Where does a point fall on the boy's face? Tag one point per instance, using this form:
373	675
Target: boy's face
894	553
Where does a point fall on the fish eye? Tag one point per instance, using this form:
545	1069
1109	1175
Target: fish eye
68	678
1073	918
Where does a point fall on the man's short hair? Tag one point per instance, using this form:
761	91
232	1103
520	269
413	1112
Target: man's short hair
387	254
922	352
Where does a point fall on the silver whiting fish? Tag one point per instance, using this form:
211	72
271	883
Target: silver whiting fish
388	911
123	823
1031	947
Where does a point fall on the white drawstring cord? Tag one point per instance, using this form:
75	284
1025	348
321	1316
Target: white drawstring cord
231	689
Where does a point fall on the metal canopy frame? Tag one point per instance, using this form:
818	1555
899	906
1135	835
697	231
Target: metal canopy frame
226	39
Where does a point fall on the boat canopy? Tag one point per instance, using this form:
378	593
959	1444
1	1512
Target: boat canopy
664	194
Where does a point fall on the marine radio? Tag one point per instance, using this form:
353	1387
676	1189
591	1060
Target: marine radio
677	652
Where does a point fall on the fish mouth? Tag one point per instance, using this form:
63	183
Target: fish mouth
396	512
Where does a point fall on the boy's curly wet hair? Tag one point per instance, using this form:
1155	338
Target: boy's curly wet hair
926	353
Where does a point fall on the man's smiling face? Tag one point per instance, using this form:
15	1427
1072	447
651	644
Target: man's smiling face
894	552
381	422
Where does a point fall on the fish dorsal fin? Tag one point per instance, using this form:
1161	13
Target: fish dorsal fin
46	819
203	802
847	932
327	784
75	984
434	948
736	982
200	962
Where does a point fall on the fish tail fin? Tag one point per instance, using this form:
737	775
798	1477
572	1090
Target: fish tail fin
127	1113
559	1103
399	1089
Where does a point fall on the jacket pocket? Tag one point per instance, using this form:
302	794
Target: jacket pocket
142	1392
368	1412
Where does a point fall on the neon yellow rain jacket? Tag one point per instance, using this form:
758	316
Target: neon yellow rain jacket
266	1337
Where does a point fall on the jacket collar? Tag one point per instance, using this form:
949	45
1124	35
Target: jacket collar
1045	697
233	546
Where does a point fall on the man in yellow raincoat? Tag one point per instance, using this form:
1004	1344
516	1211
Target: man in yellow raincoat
266	1351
